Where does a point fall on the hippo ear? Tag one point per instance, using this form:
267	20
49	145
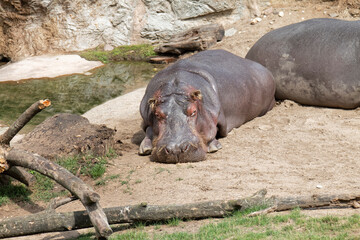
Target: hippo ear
196	95
152	102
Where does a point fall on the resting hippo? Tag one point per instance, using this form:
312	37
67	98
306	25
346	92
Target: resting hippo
189	103
315	62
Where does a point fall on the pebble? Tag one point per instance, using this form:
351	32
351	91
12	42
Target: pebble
230	32
268	11
319	186
281	14
333	15
255	21
108	47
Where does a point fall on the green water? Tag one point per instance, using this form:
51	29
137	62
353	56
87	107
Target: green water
72	94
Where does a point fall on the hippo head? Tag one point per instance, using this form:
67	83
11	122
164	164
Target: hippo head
180	125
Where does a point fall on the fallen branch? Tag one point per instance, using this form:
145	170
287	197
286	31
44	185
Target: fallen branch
147	213
195	39
88	197
12	159
74	220
21	175
24	118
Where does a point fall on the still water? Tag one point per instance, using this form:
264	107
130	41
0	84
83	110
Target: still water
73	94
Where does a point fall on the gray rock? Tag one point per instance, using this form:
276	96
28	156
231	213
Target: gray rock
186	9
46	26
230	32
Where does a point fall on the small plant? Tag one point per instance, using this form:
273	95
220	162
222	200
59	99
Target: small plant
103	181
174	222
160	170
139	52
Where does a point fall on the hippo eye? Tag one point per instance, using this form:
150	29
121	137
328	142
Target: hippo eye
193	113
159	115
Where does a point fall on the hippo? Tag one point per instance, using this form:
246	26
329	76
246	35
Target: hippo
314	62
191	103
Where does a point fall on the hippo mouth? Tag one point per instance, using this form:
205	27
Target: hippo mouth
190	154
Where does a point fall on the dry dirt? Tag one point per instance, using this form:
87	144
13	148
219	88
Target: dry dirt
293	150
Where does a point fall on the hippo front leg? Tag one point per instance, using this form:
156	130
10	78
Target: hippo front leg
214	146
146	144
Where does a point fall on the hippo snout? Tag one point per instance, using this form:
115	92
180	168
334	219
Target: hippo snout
178	153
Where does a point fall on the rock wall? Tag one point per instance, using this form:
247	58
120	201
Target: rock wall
35	27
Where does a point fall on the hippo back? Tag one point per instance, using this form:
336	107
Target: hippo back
315	62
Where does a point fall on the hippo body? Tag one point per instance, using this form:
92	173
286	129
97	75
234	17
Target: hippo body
315	62
190	103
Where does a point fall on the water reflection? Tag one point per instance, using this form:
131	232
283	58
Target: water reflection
75	93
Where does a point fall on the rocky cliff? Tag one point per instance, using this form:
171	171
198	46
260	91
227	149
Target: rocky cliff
34	27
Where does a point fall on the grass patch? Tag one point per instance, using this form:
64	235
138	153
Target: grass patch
106	179
18	192
139	52
87	165
289	226
42	190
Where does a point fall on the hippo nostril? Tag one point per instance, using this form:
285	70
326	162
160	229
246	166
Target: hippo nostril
185	148
167	150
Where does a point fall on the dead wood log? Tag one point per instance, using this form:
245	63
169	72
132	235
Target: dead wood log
21	175
147	213
12	158
195	39
24	118
50	221
88	197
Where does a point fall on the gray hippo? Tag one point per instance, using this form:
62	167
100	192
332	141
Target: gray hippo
315	62
190	103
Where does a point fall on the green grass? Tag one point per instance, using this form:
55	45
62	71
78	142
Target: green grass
43	189
139	52
106	179
13	192
87	165
293	225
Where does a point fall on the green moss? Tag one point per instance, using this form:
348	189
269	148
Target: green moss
139	52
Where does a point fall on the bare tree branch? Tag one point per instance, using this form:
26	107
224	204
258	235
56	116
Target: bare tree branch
24	118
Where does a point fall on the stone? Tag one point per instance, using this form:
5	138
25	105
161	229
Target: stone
230	32
40	27
186	9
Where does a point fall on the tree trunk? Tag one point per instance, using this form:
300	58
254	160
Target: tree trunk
195	39
88	197
24	118
11	159
51	221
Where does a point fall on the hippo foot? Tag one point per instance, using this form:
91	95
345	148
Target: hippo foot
214	146
145	147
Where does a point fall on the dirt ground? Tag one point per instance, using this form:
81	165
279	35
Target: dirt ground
293	150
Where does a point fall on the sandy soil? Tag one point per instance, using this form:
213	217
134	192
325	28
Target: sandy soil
293	150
